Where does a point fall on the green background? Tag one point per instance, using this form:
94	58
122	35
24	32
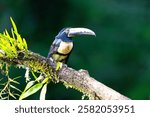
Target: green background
119	56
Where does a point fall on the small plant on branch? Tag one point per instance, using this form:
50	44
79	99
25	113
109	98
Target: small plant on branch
14	51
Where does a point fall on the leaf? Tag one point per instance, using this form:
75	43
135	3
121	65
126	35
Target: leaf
4	98
31	91
29	85
16	77
46	80
15	88
14	25
35	77
12	95
12	80
43	92
12	32
19	41
25	44
6	33
7	48
15	94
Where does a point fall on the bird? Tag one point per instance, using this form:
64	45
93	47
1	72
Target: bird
62	45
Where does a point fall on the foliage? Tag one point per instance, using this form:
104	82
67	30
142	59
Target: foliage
12	48
9	89
9	46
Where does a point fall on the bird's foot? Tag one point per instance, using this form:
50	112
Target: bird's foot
58	65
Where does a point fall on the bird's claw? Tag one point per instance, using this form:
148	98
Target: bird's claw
58	65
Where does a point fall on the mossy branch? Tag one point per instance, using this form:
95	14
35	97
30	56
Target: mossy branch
14	51
79	80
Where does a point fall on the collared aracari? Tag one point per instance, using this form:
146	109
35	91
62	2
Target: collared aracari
63	43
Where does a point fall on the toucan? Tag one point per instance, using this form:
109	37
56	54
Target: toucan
63	44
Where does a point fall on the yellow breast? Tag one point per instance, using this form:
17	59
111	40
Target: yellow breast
58	57
65	47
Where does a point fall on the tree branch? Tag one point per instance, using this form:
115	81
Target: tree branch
93	88
79	80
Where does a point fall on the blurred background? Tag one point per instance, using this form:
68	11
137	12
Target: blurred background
119	56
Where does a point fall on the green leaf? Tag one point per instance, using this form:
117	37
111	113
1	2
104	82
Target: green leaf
12	32
4	98
15	88
15	94
7	48
29	85
25	44
19	41
14	25
6	33
43	92
16	78
12	80
35	77
31	91
12	95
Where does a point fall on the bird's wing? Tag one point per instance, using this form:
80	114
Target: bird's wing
54	47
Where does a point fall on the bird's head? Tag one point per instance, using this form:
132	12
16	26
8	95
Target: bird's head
67	33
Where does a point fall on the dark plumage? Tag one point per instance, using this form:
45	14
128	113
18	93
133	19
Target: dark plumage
63	44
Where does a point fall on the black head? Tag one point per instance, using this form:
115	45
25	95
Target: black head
67	33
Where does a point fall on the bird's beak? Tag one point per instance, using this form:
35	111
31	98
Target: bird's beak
80	31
